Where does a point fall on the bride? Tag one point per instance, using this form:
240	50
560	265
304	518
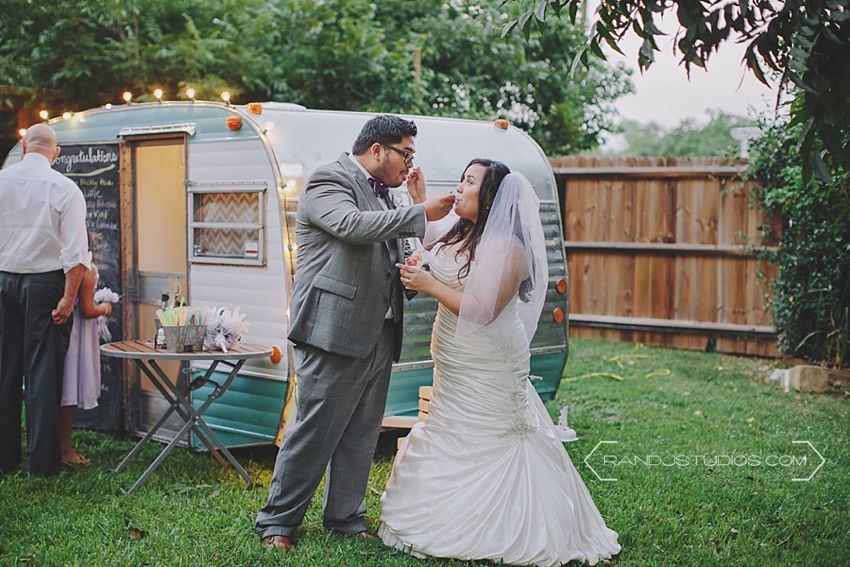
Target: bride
485	475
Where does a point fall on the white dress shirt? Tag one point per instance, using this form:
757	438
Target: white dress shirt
42	219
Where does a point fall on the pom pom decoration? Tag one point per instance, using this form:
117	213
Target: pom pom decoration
105	295
224	328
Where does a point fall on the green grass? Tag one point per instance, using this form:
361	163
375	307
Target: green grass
194	512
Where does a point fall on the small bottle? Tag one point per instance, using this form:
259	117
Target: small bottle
159	338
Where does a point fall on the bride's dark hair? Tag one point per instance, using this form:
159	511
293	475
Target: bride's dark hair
470	232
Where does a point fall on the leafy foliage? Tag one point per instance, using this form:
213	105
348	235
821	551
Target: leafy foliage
811	307
805	42
429	57
688	138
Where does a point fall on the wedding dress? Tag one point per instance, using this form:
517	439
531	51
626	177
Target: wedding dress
485	475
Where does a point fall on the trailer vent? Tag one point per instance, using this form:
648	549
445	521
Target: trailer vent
188	128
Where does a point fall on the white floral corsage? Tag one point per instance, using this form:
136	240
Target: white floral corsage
105	295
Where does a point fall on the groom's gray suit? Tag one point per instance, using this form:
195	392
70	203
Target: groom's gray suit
345	283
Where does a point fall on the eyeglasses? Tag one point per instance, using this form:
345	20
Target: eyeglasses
405	155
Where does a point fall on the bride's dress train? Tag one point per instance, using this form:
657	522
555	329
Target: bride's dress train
485	476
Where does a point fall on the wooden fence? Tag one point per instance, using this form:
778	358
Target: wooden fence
659	251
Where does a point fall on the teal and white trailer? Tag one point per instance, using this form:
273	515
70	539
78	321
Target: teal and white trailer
196	201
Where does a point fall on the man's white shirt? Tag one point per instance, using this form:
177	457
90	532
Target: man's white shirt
42	219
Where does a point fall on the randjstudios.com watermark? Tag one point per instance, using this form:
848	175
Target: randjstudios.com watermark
803	465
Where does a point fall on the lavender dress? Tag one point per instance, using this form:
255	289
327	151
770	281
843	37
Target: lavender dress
81	381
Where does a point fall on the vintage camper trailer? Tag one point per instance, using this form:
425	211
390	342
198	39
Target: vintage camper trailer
196	200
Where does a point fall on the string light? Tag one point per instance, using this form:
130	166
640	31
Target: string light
158	93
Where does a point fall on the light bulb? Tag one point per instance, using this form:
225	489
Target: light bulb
158	94
190	92
22	132
43	114
127	96
66	115
225	96
107	106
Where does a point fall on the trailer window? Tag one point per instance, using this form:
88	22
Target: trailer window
227	223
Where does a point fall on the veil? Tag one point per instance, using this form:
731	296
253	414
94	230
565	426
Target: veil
510	261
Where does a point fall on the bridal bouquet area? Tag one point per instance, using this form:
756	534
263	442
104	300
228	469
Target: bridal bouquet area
667	403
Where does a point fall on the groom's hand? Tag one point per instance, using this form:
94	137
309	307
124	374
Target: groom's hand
438	207
416	185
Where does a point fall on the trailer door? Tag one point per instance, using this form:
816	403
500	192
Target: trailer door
158	261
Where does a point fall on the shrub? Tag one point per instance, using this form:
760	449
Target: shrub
811	306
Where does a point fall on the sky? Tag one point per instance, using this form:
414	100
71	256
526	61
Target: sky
666	96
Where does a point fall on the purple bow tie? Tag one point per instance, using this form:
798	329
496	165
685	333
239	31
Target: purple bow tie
379	188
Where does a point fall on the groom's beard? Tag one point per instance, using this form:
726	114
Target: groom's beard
390	175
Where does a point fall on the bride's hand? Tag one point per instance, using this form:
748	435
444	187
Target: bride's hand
414	277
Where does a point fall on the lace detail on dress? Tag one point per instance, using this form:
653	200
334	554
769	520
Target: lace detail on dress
446	265
518	428
503	343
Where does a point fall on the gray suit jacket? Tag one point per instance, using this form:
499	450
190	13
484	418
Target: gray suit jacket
345	279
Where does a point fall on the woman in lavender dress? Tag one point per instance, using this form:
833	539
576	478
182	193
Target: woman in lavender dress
81	381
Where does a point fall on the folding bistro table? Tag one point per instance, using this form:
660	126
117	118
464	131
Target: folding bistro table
146	357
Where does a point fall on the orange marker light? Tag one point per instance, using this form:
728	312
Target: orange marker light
276	354
561	286
558	315
502	123
234	123
255	107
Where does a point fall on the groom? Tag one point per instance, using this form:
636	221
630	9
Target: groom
346	323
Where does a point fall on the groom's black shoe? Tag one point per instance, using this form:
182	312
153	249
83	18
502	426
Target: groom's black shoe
277	542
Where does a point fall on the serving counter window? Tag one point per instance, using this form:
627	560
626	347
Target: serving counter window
227	223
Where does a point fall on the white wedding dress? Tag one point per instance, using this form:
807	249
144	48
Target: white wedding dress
485	476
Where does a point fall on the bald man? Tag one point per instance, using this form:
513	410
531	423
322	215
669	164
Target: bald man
43	255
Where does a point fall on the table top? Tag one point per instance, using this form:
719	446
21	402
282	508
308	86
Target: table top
136	349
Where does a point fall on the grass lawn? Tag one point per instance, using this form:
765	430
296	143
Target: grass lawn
692	404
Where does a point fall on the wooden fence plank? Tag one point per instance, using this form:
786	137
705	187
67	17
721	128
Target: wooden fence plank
664	248
667	239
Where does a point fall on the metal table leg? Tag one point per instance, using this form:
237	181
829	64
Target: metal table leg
218	391
173	405
163	383
161	457
179	402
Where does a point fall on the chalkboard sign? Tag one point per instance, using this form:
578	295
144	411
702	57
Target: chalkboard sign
94	168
